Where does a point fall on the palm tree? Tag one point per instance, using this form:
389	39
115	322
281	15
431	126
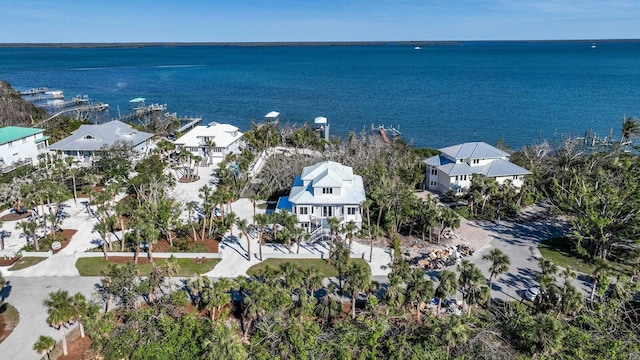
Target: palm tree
242	224
366	205
418	290
478	293
340	260
122	208
333	223
44	345
567	274
171	268
549	333
465	270
453	332
61	311
547	267
221	342
630	129
262	220
70	161
292	275
103	229
312	280
499	264
447	287
29	230
350	229
80	306
232	219
572	299
210	144
358	278
254	201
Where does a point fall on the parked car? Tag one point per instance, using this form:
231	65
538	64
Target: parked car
531	293
432	304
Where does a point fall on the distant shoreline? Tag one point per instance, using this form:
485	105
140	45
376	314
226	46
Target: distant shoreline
302	43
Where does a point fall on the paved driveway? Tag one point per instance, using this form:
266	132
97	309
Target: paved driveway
27	294
519	240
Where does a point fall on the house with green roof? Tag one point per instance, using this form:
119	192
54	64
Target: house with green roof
20	146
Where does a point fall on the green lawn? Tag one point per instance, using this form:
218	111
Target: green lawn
187	267
25	262
323	267
559	251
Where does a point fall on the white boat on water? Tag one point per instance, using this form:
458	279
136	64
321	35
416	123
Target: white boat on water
593	45
416	48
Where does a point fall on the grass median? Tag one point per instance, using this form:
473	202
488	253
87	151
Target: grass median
26	261
322	266
95	266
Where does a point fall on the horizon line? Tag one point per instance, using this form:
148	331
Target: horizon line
293	43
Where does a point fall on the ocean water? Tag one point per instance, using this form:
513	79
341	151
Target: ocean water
437	96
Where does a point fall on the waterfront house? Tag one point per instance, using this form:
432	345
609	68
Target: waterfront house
211	142
87	142
20	146
454	168
324	190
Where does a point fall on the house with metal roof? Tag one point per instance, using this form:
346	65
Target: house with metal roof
456	165
211	142
21	146
326	189
89	140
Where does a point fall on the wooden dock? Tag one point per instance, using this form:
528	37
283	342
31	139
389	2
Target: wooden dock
35	91
383	133
382	130
190	123
140	112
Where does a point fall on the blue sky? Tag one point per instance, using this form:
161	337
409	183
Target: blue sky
314	20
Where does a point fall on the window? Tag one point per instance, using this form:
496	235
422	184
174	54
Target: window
456	177
303	210
515	177
327	190
464	177
351	210
434	171
476	161
433	183
327	211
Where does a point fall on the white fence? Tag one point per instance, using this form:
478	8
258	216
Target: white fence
46	254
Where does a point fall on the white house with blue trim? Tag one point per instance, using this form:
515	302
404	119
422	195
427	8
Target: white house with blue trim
326	189
456	165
